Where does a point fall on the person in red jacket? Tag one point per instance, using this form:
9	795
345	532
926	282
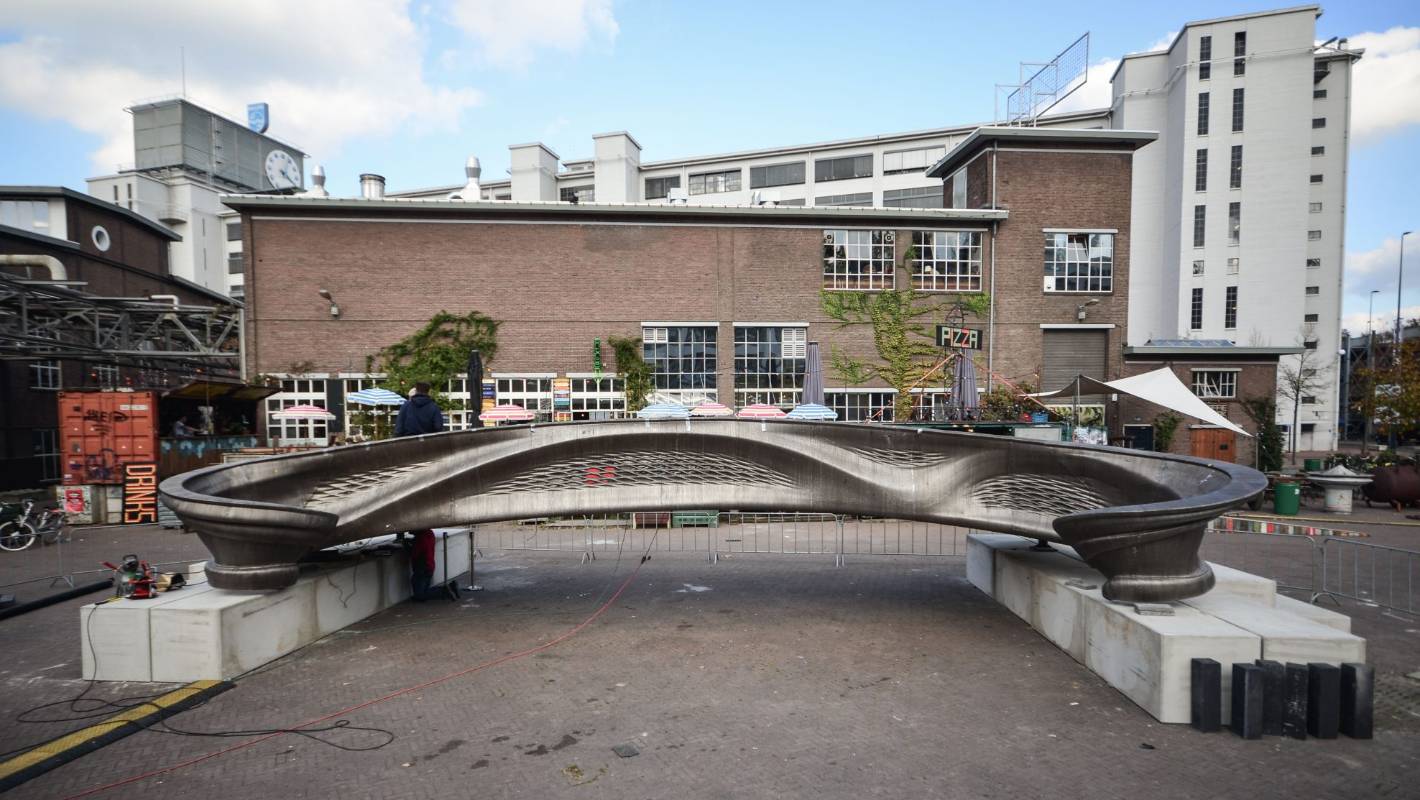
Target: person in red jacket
421	565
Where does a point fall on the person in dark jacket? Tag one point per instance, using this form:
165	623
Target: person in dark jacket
420	415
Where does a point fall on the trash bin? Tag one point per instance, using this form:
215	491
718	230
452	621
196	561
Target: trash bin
1287	498
1312	464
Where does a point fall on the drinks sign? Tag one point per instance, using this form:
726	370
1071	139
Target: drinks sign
140	494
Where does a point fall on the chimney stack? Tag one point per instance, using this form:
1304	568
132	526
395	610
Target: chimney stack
372	186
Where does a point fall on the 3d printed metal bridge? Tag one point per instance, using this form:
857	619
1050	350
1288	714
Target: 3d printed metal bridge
1136	517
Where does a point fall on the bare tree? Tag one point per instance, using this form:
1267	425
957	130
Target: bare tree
1296	382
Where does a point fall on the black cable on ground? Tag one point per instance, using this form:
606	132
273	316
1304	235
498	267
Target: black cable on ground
68	594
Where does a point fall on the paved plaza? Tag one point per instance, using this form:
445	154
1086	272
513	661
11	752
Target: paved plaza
756	676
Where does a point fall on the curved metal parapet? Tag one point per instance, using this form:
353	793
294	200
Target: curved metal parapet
1136	517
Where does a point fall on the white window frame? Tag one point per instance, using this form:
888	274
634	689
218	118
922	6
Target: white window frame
593	394
531	390
792	347
46	375
897	162
1059	272
843	247
938	266
876	399
297	390
1215	384
659	333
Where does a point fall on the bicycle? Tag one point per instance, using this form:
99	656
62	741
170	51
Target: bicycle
24	530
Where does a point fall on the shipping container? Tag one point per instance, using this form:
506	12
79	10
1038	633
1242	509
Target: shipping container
102	431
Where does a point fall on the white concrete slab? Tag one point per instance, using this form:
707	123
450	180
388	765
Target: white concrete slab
1285	636
1315	613
114	636
1237	582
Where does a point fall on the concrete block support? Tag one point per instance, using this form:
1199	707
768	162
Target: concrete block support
1294	707
1357	700
1206	688
1247	701
1323	700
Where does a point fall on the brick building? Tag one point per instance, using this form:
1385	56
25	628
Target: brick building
723	297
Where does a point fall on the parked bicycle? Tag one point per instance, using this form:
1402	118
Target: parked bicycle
30	526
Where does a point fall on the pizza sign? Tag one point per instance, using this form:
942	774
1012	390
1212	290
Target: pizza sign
959	338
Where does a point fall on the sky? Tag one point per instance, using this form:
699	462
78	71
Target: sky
411	89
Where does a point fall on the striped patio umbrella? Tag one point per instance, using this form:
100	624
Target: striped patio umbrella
303	412
507	412
376	397
761	411
711	409
813	411
664	411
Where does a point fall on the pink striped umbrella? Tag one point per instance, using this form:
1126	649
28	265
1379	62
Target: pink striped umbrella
710	409
303	412
507	412
761	411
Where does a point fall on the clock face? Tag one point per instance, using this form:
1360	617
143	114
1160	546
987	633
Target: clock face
282	170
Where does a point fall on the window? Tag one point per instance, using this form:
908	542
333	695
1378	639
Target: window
959	184
1200	218
947	261
1314	208
769	365
1215	384
237	291
1230	307
297	392
1198	267
46	450
858	259
45	374
1079	262
1313	263
30	215
715	182
1319	150
1195	314
657	188
105	375
234	231
1313	236
577	194
1205	58
1311	318
1202	113
235	264
911	160
1318	94
1200	171
1318	178
1233	266
1237	109
1235	168
1309	344
682	361
1308	399
1308	427
1313	290
790	174
1239	51
855	199
1318	122
532	392
1234	223
598	398
857	405
838	169
924	197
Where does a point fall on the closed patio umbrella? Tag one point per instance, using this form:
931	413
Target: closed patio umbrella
813	377
964	386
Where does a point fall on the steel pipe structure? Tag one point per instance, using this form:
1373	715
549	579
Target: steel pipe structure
1137	517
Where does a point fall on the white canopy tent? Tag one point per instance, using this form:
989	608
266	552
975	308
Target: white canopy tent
1160	387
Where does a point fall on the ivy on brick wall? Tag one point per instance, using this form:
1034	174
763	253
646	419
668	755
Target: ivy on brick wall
636	378
436	352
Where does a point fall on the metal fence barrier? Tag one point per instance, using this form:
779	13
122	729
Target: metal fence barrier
1370	573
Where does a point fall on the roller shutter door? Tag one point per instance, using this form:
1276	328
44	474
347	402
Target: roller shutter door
1071	353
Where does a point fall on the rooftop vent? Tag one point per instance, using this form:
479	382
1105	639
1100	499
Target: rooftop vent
372	186
471	191
317	183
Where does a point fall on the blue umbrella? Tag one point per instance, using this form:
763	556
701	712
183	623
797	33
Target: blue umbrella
375	397
813	411
664	411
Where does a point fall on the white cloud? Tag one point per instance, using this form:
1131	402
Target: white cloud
1384	97
510	33
1384	319
331	70
1376	269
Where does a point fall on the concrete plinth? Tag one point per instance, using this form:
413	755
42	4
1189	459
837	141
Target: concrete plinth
1146	656
199	632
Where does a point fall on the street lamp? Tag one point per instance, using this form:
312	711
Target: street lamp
1399	282
1371	369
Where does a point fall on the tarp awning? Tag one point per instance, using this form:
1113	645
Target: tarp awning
1160	387
206	390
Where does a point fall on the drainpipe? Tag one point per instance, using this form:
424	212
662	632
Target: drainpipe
54	265
991	316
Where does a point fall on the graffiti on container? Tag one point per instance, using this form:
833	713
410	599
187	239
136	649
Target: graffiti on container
100	420
100	467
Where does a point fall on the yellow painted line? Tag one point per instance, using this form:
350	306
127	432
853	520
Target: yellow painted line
57	748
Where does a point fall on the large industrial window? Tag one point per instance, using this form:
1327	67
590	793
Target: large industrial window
532	392
1195	313
1200	220
924	197
105	375
234	231
1230	307
839	169
857	259
30	215
1200	170
790	174
1318	122
857	405
682	361
44	374
1202	113
769	365
1239	50
598	398
1234	223
657	188
235	264
911	160
855	199
1079	262
297	392
1235	168
1313	236
1215	384
1237	109
1205	58
577	194
715	182
947	261
46	449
